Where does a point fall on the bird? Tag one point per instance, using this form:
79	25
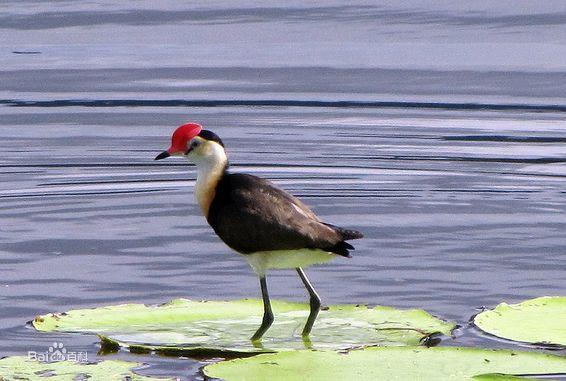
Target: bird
269	227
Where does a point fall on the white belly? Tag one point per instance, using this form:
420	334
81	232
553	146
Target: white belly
262	261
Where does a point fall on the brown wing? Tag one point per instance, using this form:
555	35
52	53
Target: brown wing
251	214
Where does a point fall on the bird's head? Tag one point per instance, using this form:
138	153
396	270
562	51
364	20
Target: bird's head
180	140
198	145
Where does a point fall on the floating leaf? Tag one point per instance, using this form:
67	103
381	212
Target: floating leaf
21	368
500	377
389	363
185	326
538	321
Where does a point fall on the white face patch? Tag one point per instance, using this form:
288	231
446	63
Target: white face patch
205	150
194	146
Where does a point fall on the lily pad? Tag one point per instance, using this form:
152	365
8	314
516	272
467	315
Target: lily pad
191	327
501	377
21	368
539	321
389	363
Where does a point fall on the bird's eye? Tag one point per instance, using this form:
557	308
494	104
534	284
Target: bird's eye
192	145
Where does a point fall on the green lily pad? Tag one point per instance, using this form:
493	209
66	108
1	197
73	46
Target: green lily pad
389	363
191	327
21	368
501	377
538	321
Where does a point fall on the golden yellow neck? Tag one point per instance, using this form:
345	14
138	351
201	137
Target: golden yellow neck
205	187
210	168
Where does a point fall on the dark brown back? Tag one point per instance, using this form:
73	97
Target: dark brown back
251	214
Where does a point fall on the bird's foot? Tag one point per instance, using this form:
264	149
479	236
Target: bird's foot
307	341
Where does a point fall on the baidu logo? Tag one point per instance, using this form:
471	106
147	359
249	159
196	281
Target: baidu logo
57	352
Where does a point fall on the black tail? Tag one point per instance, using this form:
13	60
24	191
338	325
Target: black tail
350	234
342	248
346	233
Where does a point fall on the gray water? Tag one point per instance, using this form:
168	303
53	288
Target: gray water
439	131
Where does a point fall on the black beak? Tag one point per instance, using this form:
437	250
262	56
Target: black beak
162	155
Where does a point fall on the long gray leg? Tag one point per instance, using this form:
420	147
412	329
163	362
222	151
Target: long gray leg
267	313
314	302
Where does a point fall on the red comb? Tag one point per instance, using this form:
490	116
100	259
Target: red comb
182	135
